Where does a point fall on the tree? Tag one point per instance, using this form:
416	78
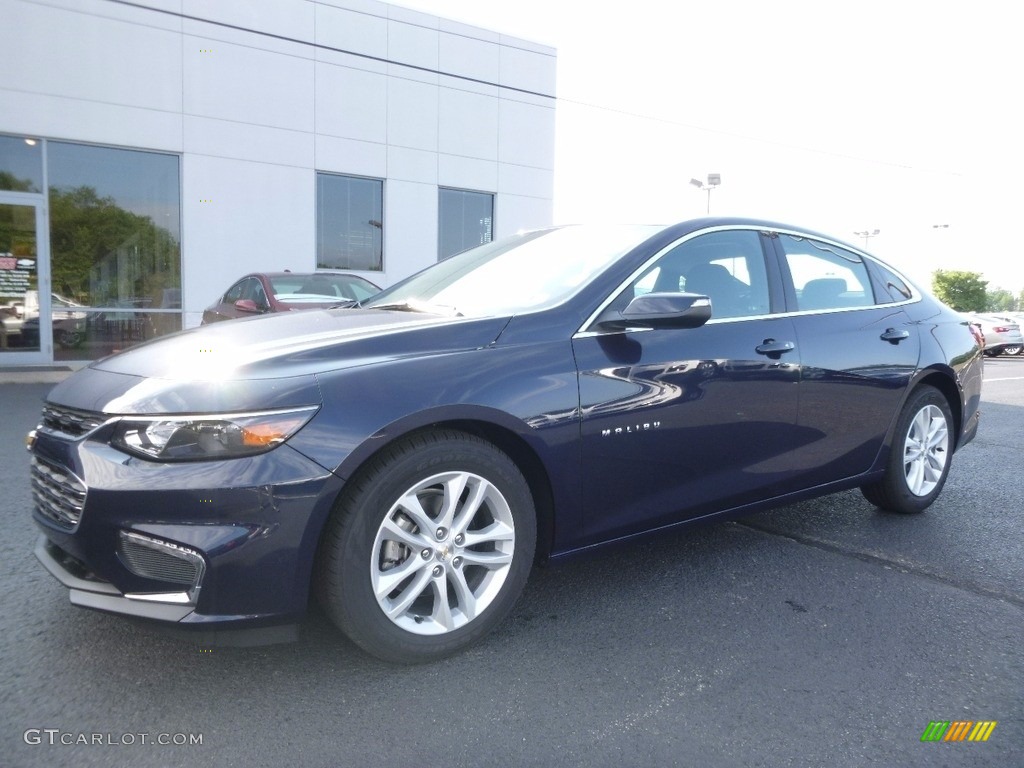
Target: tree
961	290
103	254
999	300
9	181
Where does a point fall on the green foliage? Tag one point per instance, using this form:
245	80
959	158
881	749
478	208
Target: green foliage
1000	300
961	290
103	254
9	181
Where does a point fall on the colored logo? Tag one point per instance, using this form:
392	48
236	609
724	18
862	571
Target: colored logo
959	730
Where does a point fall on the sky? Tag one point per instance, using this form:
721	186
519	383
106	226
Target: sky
902	116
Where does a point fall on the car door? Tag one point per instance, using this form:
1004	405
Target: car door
858	350
677	423
225	309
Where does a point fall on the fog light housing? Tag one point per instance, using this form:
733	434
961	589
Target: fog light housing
159	560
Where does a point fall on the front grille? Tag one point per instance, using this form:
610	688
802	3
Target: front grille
58	494
70	422
159	560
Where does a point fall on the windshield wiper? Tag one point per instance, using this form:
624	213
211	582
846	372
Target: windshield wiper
419	306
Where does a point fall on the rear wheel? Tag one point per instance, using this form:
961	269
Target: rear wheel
1014	350
429	547
920	456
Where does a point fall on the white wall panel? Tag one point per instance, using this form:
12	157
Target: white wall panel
467	173
526	181
528	69
76	120
410	221
469	57
351	103
358	158
513	213
108	10
354	31
412	114
468	124
56	52
413	43
526	134
280	18
412	165
242	141
247	85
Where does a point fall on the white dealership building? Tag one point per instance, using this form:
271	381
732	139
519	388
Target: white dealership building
153	151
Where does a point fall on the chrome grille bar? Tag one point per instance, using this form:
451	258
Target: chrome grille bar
59	495
70	422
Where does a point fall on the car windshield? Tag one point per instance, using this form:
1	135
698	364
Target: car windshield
521	273
320	287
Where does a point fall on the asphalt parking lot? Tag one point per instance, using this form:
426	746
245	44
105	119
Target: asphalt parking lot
823	633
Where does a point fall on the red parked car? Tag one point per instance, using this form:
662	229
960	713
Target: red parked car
264	292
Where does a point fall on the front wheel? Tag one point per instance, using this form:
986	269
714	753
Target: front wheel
429	547
69	339
920	456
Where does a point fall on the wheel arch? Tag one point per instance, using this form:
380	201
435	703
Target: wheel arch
480	424
942	380
946	384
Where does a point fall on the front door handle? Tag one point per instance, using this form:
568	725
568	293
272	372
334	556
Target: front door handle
893	336
774	349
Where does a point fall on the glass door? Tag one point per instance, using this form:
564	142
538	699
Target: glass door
25	327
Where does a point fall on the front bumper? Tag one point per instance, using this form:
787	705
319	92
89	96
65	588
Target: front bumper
89	591
203	547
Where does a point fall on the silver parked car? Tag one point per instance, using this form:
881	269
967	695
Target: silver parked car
1002	334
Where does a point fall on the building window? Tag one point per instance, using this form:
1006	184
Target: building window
349	222
465	220
21	164
115	245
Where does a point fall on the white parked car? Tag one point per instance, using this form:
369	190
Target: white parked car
1002	333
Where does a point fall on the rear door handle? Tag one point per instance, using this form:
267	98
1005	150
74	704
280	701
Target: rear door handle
774	349
893	336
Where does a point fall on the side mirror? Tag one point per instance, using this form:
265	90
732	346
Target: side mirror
246	305
662	310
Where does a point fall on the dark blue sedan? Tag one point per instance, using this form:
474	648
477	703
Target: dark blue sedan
409	460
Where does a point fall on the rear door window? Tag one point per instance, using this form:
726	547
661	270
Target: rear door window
826	277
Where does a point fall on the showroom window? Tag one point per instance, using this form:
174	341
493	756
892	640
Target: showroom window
115	245
465	220
349	222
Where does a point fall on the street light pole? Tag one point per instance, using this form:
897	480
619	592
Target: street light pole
867	235
714	179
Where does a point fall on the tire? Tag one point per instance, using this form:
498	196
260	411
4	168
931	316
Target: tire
69	339
920	457
428	548
1014	350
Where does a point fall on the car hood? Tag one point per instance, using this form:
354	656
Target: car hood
261	363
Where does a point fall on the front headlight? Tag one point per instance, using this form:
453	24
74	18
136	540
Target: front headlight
203	438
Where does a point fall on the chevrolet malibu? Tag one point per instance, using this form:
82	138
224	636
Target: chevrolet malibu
408	461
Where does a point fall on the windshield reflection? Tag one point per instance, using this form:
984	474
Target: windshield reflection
523	273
